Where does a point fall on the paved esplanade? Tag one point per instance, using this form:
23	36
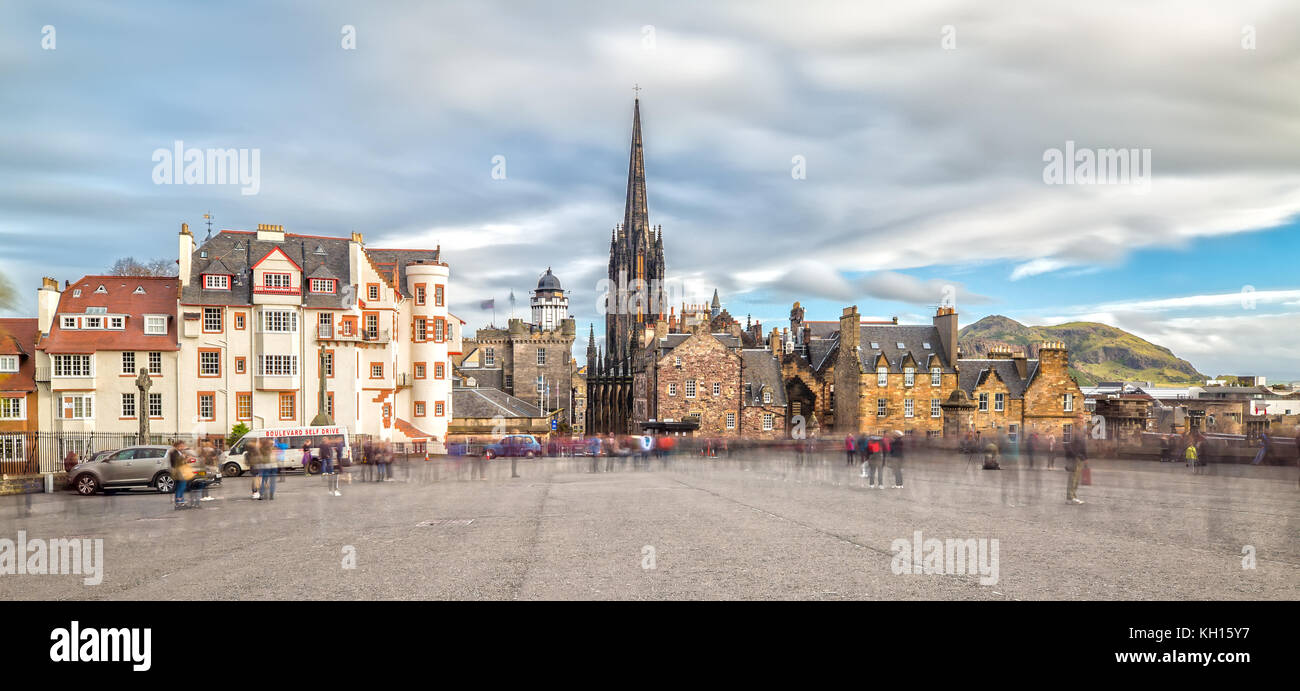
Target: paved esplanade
743	527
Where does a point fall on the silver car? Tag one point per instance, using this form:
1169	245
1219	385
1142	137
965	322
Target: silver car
134	466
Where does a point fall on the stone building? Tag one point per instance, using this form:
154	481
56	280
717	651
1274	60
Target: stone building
529	361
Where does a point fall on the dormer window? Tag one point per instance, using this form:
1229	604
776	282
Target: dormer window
926	345
92	322
900	345
139	290
275	280
767	396
875	346
155	325
323	285
68	323
101	290
117	323
76	292
216	282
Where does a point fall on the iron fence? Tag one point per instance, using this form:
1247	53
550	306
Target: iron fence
30	453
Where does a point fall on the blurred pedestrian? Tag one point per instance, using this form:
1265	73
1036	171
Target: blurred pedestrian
179	463
1166	450
1051	451
1076	454
70	461
1031	445
849	445
270	469
208	457
306	458
896	456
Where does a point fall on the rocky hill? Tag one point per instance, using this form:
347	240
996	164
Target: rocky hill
1098	352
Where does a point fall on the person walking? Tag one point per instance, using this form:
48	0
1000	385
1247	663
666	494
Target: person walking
1076	454
270	470
896	457
180	469
306	458
209	457
1051	452
1192	456
1166	451
331	457
1031	445
848	449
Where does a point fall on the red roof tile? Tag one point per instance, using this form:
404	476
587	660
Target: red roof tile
18	337
159	297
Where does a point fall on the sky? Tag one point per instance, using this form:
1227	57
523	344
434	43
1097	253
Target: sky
885	155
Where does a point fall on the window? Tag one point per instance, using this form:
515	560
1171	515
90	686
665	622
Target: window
92	322
68	322
372	326
13	408
882	376
421	329
155	405
901	345
419	409
438	336
909	407
677	361
322	285
244	405
984	402
926	345
439	409
372	291
155	362
279	321
11	448
768	419
216	282
117	323
541	356
875	345
419	294
276	280
880	407
128	363
489	357
717	388
1067	432
731	421
207	406
934	407
241	365
1013	433
510	382
909	376
78	406
539	384
439	370
376	370
672	389
8	363
420	370
239	321
209	363
767	396
279	365
155	325
329	403
437	295
128	405
999	402
1069	402
327	362
288	405
936	376
690	388
73	366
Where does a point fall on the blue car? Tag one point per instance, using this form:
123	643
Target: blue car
525	445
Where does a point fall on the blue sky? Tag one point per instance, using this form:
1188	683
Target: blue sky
924	155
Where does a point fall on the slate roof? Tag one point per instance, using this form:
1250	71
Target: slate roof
120	297
237	250
914	338
482	402
975	372
18	337
402	258
758	369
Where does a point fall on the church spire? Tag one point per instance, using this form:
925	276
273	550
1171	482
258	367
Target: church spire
636	217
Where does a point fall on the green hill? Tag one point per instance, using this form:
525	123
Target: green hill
1098	352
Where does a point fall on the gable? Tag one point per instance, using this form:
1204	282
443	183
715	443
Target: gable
277	260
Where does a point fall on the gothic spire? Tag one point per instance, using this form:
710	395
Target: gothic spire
636	217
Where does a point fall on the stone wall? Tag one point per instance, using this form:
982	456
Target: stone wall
705	360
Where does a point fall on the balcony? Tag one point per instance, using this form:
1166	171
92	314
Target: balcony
403	380
275	290
330	333
43	374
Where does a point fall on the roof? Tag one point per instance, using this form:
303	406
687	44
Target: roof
399	260
18	337
238	250
914	340
759	369
482	402
974	372
548	281
133	296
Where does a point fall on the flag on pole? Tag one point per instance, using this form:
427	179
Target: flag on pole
488	304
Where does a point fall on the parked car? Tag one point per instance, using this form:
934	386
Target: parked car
133	466
525	445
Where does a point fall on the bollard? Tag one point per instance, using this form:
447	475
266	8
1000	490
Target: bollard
49	483
513	468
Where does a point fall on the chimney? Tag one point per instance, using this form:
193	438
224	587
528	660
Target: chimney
1022	364
185	253
270	233
47	303
945	322
661	329
1053	358
774	343
850	331
360	240
999	352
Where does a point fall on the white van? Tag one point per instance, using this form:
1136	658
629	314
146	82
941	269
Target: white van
288	452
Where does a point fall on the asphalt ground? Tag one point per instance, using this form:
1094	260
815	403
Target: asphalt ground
758	526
